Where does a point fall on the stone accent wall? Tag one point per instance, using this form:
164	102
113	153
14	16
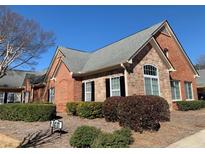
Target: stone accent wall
183	69
136	75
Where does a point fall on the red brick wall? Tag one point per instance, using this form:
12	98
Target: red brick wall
183	70
64	88
77	90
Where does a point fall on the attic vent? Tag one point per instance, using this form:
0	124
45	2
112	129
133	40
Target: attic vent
166	52
165	31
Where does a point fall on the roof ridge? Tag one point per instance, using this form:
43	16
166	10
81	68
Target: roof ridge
76	50
129	35
19	70
98	50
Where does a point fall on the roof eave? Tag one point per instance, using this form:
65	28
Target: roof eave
110	68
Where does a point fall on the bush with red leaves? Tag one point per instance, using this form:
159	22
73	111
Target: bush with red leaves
110	108
143	112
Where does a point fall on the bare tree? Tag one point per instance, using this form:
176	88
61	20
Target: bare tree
200	62
22	41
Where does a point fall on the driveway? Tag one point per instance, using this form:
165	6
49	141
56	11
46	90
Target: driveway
196	140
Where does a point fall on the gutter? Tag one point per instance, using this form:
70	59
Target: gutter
110	68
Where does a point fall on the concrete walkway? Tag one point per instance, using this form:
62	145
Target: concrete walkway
196	140
8	142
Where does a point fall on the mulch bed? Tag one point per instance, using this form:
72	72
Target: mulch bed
182	124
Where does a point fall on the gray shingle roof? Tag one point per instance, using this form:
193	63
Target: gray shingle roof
15	78
74	60
110	55
201	79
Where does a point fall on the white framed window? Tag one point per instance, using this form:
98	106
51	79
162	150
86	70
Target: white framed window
188	90
2	97
115	86
151	81
88	91
10	98
51	95
175	89
13	97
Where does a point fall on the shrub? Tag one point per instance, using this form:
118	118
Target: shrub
110	108
72	108
90	110
27	112
143	112
190	105
118	139
84	136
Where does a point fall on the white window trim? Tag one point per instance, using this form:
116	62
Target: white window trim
180	93
50	95
85	92
3	97
151	76
111	90
191	91
10	93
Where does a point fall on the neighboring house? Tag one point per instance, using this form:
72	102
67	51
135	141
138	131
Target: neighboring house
201	84
149	62
20	86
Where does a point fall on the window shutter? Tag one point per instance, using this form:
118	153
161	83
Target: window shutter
5	97
107	82
92	91
83	91
122	85
48	95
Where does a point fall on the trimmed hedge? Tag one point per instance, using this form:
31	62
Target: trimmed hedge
143	112
110	108
84	136
118	139
190	105
72	108
90	110
91	137
27	112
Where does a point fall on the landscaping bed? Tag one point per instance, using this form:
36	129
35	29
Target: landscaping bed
182	124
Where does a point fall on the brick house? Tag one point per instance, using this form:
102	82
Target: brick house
22	86
201	84
149	62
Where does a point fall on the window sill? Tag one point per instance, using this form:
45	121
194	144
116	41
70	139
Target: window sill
175	100
189	99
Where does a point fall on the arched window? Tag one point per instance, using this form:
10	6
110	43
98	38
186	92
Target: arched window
151	81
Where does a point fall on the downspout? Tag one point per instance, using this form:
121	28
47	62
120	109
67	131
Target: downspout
125	76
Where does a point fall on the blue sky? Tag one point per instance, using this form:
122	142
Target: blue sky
90	27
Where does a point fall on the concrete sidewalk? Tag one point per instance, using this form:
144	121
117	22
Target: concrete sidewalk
8	142
196	140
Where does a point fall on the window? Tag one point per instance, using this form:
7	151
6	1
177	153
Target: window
115	86
151	81
88	91
188	90
175	88
1	97
51	95
26	97
13	97
10	98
